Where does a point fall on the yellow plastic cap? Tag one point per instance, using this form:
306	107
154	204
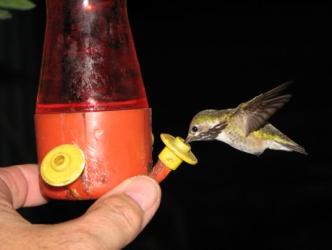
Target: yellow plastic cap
175	152
63	165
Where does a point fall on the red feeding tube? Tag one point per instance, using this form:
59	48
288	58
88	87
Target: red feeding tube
159	171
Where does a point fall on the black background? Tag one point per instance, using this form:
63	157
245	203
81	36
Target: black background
193	56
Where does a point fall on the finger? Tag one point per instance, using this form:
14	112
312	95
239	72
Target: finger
20	186
116	218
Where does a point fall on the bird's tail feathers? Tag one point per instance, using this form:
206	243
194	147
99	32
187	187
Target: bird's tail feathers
288	147
297	148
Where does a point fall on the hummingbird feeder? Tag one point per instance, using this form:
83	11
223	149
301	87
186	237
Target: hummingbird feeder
93	121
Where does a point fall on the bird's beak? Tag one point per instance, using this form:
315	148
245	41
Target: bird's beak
189	139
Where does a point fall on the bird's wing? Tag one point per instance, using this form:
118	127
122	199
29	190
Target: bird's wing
251	115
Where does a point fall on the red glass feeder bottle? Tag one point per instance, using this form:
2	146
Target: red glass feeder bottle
93	125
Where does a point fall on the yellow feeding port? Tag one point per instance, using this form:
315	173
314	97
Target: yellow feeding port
175	152
62	165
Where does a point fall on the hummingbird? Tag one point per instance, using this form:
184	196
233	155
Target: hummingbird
246	127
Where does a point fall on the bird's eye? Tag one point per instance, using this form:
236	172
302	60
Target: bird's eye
194	129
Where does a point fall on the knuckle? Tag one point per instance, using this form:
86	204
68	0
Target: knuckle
125	213
122	213
81	239
113	221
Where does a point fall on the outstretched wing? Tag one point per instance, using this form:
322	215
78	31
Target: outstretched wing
252	115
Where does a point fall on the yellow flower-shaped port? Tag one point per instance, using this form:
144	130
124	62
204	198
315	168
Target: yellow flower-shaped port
175	152
62	165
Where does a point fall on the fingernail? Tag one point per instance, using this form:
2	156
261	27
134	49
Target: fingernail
144	191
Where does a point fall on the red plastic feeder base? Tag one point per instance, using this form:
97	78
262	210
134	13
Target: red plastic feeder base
116	145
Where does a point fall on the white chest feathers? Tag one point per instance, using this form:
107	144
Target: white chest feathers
247	144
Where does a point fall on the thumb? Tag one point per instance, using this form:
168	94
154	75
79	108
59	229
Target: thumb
116	218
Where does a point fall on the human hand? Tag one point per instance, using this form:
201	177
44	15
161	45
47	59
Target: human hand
111	222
